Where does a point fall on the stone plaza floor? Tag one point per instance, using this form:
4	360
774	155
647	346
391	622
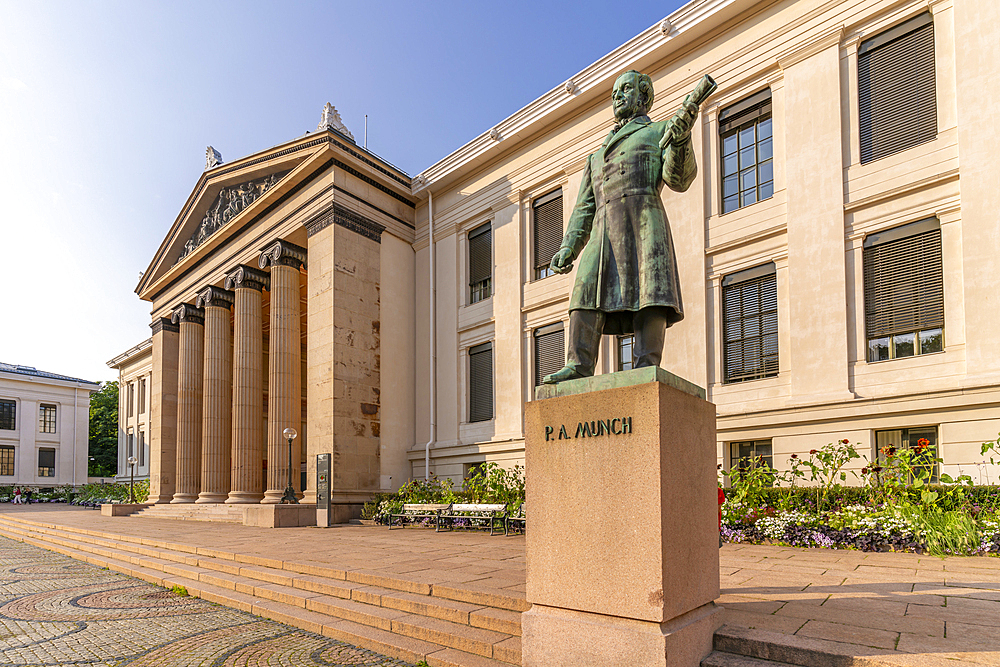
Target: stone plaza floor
58	611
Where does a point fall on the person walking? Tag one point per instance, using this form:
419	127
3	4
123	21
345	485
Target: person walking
17	496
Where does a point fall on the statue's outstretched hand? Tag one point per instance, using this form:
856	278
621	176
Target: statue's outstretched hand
680	125
562	261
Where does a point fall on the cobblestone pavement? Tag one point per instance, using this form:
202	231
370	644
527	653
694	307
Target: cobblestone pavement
58	611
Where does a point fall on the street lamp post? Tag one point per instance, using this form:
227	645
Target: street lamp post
131	482
289	497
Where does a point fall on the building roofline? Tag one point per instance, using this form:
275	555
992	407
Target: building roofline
131	352
32	372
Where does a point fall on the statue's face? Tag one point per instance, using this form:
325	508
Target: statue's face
625	97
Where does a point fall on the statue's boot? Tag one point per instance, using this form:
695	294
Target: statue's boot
568	372
585	330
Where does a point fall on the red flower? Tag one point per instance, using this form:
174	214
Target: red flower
864	471
845	441
795	456
814	451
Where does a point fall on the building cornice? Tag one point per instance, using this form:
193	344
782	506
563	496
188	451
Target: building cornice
131	353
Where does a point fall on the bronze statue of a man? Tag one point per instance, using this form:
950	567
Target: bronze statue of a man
628	280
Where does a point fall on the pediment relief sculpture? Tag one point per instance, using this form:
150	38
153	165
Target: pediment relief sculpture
228	204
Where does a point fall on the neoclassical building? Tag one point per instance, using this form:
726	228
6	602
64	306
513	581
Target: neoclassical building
135	372
837	253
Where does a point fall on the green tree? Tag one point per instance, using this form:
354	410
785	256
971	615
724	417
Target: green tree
104	431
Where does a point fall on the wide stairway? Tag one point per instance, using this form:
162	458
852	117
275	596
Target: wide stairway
218	512
446	626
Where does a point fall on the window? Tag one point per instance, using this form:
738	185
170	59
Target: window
481	382
131	446
907	438
550	350
6	460
473	469
46	463
747	152
8	415
480	263
142	448
750	324
548	219
142	396
130	398
904	292
897	99
47	418
625	357
744	455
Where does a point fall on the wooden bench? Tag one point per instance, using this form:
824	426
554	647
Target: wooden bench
495	513
421	511
516	517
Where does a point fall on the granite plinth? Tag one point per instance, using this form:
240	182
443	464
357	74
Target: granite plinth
622	505
279	516
122	509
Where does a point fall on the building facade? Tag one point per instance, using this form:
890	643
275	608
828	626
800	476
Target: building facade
135	371
836	254
44	427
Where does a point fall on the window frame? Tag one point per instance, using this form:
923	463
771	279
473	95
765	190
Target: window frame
8	458
8	411
46	471
735	458
623	341
47	418
480	288
542	353
751	112
911	434
478	413
541	269
767	363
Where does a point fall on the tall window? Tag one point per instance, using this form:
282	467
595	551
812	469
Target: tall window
47	418
131	445
744	455
909	438
481	382
548	230
480	263
904	291
747	152
624	352
142	396
8	415
897	98
130	397
46	463
550	350
6	460
750	324
142	448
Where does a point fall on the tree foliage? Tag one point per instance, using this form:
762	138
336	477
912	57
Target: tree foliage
104	431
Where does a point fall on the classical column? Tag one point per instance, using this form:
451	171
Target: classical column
284	385
217	404
163	411
190	366
246	485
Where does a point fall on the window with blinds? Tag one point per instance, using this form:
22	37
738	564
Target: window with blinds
548	231
46	463
750	324
550	350
480	263
8	415
481	383
904	291
747	152
897	97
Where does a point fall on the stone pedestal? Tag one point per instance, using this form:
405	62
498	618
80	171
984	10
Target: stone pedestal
622	544
279	516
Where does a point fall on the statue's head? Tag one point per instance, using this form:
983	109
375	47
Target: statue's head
632	95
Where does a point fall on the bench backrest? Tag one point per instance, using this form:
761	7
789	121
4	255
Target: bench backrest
424	507
478	507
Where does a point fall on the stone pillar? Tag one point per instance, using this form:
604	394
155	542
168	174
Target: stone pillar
163	411
246	485
217	403
343	360
190	377
284	377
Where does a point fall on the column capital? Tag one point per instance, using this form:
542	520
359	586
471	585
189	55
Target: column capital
215	296
248	277
188	313
163	324
282	253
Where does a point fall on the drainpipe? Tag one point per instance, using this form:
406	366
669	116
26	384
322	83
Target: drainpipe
433	335
76	417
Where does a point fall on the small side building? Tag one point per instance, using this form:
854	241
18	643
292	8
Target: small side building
44	420
135	370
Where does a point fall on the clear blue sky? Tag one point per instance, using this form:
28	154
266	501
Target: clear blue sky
106	109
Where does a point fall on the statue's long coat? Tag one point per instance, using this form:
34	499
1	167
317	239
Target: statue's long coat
629	262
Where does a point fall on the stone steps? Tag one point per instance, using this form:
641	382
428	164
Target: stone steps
217	512
446	626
